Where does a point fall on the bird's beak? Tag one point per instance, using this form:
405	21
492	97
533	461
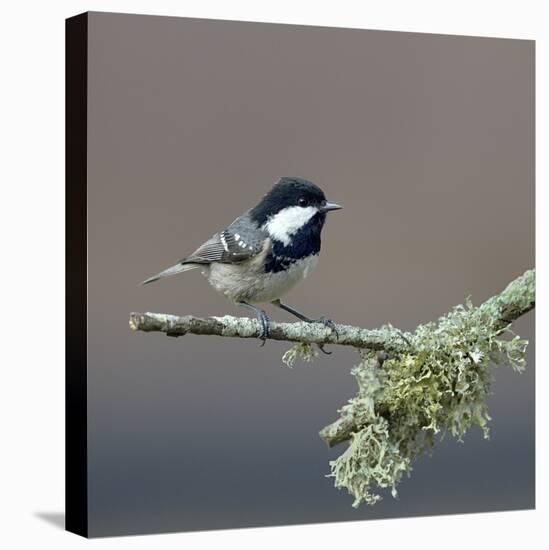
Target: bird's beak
330	206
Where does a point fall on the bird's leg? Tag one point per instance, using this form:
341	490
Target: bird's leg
263	319
326	322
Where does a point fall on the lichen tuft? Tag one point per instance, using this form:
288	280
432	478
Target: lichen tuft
440	385
306	351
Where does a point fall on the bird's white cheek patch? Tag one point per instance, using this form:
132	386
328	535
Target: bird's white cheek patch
288	221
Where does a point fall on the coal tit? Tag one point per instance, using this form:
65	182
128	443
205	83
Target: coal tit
265	251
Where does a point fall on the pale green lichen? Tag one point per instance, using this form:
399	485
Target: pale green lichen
439	385
306	351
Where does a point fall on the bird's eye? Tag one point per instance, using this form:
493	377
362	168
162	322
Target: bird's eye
302	201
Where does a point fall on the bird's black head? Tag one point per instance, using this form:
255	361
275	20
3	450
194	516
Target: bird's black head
301	199
293	213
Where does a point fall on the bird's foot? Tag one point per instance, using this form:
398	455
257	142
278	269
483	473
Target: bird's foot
264	321
327	323
262	318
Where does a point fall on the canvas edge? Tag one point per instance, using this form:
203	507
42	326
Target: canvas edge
76	433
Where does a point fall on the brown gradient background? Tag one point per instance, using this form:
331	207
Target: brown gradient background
426	140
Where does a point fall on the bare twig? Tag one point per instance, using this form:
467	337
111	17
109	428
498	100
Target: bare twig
243	327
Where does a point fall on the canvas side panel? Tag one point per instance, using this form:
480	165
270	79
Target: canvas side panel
76	473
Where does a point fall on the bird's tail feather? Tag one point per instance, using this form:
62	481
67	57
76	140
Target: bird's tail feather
170	272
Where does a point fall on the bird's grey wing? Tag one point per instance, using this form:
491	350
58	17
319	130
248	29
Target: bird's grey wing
241	241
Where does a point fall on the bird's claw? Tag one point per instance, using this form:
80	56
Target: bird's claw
331	325
321	348
264	328
328	323
262	319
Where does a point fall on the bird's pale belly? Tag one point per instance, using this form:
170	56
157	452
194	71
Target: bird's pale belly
247	282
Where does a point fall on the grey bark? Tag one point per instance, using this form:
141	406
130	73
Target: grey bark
389	339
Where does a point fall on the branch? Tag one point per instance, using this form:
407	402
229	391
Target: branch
411	386
517	299
514	301
243	327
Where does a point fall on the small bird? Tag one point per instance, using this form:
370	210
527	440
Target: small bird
266	251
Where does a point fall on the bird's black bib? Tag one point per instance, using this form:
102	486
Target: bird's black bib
305	243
